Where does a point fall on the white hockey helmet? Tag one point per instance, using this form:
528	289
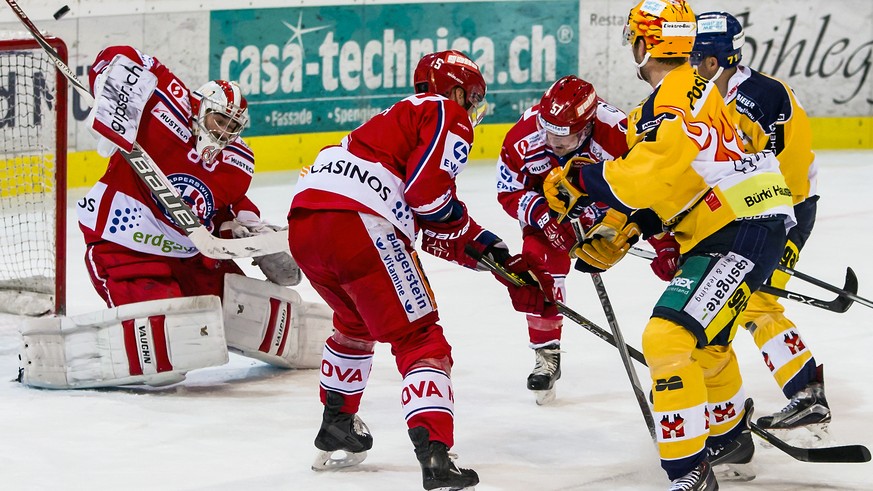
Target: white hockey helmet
220	113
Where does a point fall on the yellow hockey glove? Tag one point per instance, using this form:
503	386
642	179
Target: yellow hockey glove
608	240
560	193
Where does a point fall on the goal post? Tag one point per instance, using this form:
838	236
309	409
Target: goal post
33	183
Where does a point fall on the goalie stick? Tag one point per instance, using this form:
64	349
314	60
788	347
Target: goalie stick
840	454
164	192
569	313
623	352
839	304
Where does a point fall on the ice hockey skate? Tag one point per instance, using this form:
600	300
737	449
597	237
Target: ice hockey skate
732	461
546	371
343	439
700	478
438	471
807	412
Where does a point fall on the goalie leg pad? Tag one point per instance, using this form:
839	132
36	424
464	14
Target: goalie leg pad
154	343
273	324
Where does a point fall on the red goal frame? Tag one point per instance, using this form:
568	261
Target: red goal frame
20	42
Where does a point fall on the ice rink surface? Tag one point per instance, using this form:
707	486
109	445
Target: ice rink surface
247	426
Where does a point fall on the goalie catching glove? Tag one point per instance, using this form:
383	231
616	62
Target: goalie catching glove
606	242
279	268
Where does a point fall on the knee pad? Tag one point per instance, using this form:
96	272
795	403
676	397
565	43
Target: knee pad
352	342
667	346
423	343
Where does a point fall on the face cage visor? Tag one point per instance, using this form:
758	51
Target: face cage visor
476	109
559	138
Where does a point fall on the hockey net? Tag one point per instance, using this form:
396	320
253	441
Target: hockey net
33	159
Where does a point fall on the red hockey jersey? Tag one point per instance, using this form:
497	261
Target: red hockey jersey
401	164
525	160
121	209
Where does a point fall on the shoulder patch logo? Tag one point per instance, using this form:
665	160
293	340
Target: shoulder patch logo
195	193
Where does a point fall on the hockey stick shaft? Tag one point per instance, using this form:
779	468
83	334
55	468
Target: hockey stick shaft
842	454
839	304
161	188
569	313
625	356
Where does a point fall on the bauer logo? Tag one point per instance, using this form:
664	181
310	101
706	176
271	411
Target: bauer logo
307	69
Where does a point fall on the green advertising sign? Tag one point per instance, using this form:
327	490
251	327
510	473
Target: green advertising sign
313	69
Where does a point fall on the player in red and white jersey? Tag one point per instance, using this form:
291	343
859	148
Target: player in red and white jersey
135	252
352	227
570	121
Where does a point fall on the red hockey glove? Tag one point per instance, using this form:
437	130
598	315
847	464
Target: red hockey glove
667	262
448	240
560	235
532	298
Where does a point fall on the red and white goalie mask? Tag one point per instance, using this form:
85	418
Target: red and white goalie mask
220	114
566	114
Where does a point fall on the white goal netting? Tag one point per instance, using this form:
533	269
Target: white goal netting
32	178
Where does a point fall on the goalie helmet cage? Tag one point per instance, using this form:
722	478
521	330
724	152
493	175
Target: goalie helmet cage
33	177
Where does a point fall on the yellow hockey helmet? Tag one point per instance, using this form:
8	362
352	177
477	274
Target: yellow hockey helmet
667	26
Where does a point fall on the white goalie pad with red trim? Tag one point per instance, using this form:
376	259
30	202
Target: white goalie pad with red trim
273	324
152	343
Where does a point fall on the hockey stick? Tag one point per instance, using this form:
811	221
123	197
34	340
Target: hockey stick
843	292
164	192
623	352
839	304
840	454
844	454
569	313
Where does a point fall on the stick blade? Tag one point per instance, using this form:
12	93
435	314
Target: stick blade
842	303
847	454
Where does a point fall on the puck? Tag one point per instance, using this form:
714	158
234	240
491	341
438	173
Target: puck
61	12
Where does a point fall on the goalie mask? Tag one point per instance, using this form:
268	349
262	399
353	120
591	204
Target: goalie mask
566	114
220	113
442	71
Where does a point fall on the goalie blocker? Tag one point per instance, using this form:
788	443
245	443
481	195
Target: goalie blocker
158	342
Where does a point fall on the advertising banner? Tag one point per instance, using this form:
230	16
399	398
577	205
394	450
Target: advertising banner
313	69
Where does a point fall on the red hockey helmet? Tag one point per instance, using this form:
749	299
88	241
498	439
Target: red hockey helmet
442	71
568	107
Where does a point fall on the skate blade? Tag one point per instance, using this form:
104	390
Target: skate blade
454	488
808	436
336	460
734	472
545	396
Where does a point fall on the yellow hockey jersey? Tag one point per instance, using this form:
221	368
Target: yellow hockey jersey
769	117
687	164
